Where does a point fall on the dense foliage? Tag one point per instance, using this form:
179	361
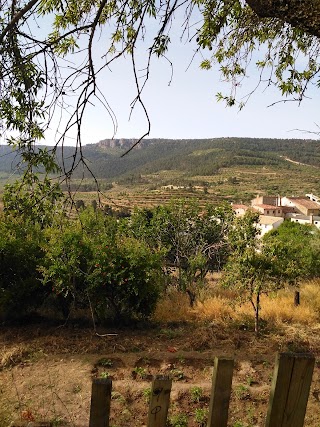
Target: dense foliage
284	257
193	239
115	270
20	255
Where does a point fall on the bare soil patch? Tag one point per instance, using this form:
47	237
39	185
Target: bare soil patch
46	372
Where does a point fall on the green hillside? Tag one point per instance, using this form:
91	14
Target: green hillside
238	167
201	157
195	157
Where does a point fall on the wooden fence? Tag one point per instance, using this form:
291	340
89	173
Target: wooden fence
287	403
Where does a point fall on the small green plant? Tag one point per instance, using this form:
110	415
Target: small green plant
266	364
76	388
179	420
140	372
201	416
196	394
146	393
106	363
177	374
241	391
115	395
251	415
249	381
238	424
181	360
57	421
104	374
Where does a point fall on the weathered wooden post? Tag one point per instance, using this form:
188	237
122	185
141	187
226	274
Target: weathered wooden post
100	402
296	298
290	390
159	402
220	393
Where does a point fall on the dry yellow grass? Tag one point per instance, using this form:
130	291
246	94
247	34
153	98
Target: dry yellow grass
311	295
174	307
12	355
276	309
282	310
216	308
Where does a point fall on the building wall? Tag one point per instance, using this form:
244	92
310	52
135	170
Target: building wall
265	200
265	228
286	202
311	220
306	211
273	212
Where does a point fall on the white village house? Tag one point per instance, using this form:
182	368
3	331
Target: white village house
268	223
274	210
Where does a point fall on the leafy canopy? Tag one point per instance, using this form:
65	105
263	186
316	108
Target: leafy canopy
258	267
230	33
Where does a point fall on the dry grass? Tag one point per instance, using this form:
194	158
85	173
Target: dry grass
281	310
277	309
216	308
12	356
311	295
174	307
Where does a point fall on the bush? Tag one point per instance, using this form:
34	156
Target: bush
20	254
65	266
125	280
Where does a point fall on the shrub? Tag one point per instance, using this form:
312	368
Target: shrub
125	280
20	254
65	266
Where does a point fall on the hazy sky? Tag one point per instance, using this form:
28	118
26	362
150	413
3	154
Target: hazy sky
188	107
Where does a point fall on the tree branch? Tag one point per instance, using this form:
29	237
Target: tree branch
17	18
303	14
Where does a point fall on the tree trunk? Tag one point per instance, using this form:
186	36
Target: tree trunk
192	297
256	318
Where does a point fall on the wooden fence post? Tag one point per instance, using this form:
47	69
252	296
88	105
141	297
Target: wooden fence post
220	393
100	402
159	401
290	390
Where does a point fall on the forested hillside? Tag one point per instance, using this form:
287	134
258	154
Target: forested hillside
203	157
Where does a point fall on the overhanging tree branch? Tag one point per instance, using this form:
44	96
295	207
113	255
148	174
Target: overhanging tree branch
16	18
303	14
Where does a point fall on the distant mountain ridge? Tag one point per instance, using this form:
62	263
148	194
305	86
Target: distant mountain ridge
123	143
127	143
192	157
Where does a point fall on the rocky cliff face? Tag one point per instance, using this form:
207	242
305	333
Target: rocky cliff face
124	143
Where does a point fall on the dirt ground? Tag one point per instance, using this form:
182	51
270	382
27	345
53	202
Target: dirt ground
46	371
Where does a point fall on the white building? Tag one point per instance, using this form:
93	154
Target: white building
268	223
305	220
